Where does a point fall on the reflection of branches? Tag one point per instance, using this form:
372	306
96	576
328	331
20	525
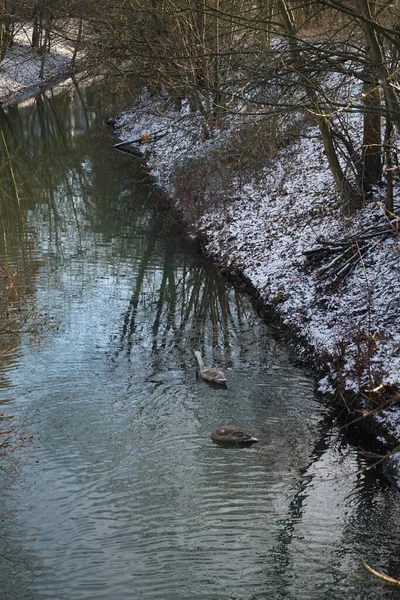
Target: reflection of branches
192	302
289	524
15	309
167	289
9	164
48	167
39	131
129	325
15	558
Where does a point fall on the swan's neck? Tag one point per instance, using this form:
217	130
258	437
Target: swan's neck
199	360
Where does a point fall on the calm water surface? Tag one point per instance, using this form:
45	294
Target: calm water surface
120	493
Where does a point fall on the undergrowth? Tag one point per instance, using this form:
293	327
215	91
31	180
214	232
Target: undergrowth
211	180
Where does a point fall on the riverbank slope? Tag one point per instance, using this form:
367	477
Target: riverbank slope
24	71
332	280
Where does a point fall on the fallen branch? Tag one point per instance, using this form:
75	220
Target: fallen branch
382	575
129	150
345	254
143	139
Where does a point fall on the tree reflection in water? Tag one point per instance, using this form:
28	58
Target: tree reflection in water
53	180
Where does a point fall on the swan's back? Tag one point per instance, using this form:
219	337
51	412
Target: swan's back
210	375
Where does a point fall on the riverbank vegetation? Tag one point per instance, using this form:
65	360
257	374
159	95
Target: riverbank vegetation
274	126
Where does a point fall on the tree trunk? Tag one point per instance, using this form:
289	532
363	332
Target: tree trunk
389	166
377	58
372	137
77	43
351	199
36	27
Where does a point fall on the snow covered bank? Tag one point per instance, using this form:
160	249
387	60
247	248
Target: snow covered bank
23	71
264	226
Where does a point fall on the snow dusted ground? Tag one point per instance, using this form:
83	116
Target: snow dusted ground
262	231
21	67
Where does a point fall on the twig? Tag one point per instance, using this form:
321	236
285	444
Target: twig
345	254
143	139
381	575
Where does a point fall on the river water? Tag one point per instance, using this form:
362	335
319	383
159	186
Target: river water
111	486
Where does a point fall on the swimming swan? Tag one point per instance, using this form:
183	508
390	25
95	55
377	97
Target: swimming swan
230	433
210	375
